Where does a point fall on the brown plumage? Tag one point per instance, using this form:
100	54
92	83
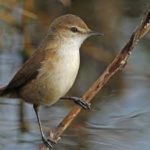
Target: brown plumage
51	71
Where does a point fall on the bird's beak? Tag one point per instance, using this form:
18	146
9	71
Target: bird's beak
93	33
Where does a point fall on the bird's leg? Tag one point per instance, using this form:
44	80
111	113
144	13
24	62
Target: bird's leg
79	101
48	143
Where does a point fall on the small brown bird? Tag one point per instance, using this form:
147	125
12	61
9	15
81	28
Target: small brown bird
51	71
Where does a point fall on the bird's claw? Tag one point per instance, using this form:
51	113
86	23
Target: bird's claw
48	143
81	102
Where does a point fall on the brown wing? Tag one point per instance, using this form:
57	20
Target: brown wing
28	71
30	68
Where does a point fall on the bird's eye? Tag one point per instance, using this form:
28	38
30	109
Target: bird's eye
74	29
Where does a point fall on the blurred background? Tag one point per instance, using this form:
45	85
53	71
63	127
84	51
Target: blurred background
120	115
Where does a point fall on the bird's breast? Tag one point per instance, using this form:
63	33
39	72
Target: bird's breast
57	75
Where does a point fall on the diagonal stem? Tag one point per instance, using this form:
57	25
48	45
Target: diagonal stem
117	64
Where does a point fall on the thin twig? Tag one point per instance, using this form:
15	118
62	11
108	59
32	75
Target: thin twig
117	64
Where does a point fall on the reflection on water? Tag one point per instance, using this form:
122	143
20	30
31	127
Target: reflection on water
115	122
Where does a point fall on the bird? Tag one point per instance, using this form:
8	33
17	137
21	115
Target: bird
52	69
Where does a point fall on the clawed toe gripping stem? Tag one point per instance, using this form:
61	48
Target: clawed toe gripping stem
79	101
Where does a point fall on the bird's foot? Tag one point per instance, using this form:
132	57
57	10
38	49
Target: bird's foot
79	101
48	143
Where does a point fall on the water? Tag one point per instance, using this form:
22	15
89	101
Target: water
119	119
